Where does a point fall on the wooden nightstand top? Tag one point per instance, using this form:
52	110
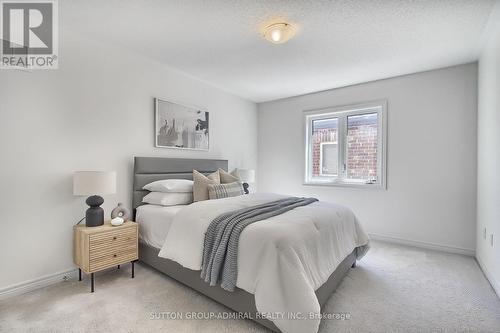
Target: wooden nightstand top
104	228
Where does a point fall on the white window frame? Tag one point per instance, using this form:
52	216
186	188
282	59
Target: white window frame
342	112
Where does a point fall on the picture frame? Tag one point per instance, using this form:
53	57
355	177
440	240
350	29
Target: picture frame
181	126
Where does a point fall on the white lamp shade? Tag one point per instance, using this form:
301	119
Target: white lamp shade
247	175
94	182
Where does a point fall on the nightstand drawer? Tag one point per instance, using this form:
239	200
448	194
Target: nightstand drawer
116	241
113	258
113	237
115	249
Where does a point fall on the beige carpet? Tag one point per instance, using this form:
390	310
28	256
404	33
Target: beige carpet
393	289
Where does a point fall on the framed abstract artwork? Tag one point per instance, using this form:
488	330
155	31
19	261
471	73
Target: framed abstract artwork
180	126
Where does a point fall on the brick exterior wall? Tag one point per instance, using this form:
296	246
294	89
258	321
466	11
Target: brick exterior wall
362	152
361	148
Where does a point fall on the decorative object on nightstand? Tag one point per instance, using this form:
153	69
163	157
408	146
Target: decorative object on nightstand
117	221
98	248
246	176
94	183
121	211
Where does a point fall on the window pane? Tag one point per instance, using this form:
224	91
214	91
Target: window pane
362	147
329	159
324	136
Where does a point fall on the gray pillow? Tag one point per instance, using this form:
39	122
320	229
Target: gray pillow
219	191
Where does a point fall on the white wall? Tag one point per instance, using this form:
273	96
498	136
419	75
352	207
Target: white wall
488	177
95	112
431	173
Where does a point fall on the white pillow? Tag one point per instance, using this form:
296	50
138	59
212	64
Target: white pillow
170	186
168	199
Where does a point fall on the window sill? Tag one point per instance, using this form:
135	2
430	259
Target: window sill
375	186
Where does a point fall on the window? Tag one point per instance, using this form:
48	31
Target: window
345	146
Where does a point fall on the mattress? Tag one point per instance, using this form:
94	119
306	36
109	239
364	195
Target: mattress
154	222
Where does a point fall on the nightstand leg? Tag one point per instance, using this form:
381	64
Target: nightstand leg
79	274
91	282
133	275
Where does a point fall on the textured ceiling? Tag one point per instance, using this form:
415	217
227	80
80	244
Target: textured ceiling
338	43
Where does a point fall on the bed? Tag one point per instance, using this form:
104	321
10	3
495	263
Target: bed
149	169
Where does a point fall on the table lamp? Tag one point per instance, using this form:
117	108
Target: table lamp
246	176
94	184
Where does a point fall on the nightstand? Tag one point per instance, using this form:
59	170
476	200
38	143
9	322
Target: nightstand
98	248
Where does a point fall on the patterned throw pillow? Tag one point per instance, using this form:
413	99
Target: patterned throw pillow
219	191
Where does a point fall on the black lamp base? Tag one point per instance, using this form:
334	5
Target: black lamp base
94	216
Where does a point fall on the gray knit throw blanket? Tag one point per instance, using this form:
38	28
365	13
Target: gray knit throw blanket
220	252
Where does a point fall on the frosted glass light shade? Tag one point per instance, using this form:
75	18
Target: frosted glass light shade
246	175
279	33
94	182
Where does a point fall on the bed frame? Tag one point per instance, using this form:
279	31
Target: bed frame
149	169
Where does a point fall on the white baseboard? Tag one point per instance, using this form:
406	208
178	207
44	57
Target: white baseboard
494	283
24	287
423	245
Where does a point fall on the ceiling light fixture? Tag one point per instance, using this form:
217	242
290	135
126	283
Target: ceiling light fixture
279	33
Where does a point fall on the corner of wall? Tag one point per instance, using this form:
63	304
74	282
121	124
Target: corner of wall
488	162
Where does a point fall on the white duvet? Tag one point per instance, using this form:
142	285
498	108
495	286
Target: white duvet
281	260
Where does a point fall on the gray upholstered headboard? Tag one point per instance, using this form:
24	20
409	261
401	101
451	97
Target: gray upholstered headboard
149	169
